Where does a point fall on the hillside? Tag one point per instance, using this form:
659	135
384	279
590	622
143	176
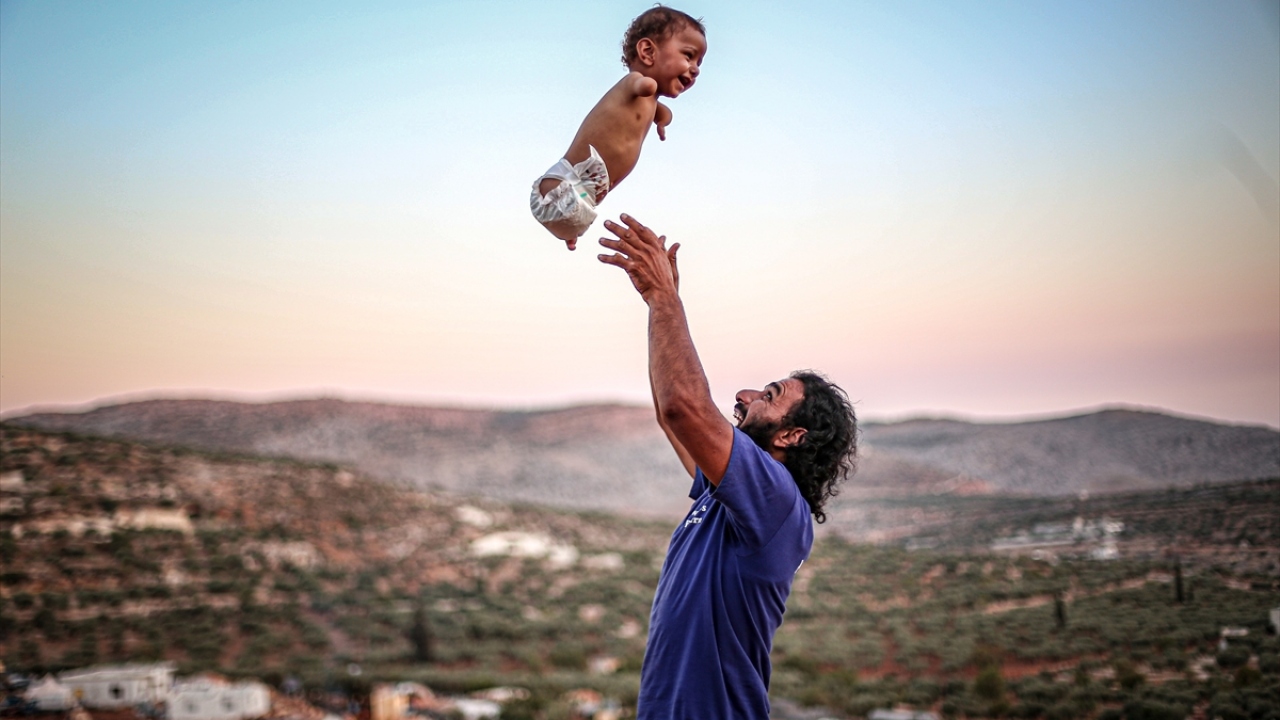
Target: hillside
116	551
1111	450
614	458
601	457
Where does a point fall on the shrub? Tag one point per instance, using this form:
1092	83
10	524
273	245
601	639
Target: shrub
1153	710
989	685
1246	676
1233	657
1128	676
569	656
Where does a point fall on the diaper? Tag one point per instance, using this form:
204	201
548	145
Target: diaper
570	207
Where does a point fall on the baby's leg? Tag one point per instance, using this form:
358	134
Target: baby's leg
547	185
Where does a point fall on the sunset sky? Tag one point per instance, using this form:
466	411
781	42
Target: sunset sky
987	210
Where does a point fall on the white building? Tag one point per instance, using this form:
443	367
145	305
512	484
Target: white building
205	698
49	695
902	715
119	686
475	709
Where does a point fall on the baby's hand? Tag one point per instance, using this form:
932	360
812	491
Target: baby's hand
662	118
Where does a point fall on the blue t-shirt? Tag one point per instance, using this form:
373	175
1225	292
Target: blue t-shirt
722	592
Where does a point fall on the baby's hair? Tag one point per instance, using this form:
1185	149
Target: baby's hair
657	23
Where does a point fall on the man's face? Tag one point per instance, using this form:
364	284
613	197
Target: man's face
761	414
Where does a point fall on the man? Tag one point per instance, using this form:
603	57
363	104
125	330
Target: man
730	564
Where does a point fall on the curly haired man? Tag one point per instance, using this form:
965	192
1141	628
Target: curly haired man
758	485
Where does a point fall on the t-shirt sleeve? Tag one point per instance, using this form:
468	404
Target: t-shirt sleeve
757	491
699	485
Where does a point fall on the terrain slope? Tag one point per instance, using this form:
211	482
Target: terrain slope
615	458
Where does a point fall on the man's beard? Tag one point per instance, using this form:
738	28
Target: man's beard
761	432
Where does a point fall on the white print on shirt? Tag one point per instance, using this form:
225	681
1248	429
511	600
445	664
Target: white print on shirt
693	517
799	566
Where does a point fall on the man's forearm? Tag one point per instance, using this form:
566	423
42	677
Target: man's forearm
681	394
689	465
679	382
681	391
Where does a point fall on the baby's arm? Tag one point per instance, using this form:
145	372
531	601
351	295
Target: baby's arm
642	86
662	118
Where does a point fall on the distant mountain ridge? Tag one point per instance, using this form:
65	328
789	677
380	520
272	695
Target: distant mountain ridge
1107	450
605	457
615	458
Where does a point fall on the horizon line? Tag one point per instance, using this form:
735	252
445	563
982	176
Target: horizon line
287	396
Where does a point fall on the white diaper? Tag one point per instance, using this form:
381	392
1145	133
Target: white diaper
570	207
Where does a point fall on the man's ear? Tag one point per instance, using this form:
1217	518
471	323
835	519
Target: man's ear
647	51
789	437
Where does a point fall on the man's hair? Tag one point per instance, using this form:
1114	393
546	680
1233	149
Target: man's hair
828	453
657	23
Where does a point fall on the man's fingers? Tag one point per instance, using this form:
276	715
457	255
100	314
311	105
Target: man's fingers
671	258
640	230
615	245
630	240
615	259
622	232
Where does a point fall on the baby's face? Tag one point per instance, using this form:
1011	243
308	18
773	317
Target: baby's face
676	61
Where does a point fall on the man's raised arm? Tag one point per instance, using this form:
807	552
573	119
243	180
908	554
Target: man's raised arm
680	389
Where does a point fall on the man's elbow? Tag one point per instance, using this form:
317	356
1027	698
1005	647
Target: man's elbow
676	415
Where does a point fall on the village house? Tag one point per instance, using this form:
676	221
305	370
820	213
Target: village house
49	695
901	714
120	686
208	698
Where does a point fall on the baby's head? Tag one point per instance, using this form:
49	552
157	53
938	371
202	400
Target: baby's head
666	45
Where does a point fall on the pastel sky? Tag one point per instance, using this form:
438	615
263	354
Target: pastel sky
978	209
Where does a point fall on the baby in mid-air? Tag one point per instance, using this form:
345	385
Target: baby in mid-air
663	49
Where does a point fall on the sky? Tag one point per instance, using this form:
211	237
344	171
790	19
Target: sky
984	210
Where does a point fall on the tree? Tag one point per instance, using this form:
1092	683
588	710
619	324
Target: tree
420	637
989	685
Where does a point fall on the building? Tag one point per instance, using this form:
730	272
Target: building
120	686
207	698
49	695
902	715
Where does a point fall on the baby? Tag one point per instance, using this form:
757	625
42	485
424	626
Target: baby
662	49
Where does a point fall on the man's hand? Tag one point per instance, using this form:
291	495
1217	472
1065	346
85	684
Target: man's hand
644	255
701	436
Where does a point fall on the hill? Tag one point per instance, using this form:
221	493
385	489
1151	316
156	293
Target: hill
1110	450
604	457
615	458
113	550
117	551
